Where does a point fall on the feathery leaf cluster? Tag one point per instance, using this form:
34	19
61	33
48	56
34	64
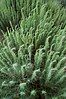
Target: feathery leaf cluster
33	57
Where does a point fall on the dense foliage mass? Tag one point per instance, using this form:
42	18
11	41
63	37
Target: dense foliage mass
33	56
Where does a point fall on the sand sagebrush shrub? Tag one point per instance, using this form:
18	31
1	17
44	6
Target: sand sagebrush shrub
33	58
11	11
8	13
44	78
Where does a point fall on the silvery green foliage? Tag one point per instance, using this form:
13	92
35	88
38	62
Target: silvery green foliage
41	37
11	11
63	2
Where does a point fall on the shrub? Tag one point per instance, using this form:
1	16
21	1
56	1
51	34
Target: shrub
8	14
11	12
33	58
